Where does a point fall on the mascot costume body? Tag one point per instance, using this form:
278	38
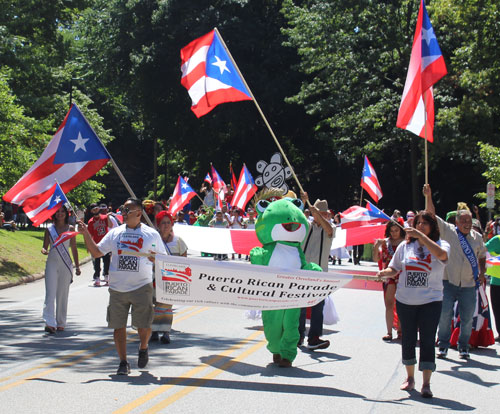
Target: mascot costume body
281	228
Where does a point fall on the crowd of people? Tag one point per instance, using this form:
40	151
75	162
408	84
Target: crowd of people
431	270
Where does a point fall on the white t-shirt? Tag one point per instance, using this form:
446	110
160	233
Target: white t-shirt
285	256
127	273
421	277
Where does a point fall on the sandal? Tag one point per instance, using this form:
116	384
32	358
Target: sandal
387	338
408	384
50	330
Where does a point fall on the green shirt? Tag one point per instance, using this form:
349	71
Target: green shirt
493	246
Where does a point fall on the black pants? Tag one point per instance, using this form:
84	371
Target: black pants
316	326
495	305
97	265
424	320
357	253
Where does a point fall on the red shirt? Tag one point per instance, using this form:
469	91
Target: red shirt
98	228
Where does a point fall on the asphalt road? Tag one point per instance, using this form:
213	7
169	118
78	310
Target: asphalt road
218	363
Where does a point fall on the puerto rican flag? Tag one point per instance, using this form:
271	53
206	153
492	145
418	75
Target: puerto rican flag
493	260
357	216
45	211
427	66
217	182
63	237
245	189
209	75
182	194
74	154
369	181
208	179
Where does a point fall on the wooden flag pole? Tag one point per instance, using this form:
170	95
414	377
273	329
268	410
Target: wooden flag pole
426	156
361	197
261	113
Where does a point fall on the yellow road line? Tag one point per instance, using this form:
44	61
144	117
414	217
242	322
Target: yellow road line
161	389
65	364
55	361
190	388
81	351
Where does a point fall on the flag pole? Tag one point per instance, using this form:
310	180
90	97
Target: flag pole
361	197
261	113
394	221
426	156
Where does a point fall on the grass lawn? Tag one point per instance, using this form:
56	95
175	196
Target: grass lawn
20	253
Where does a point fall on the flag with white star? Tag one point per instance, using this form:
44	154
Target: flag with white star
56	200
181	196
427	66
74	154
209	74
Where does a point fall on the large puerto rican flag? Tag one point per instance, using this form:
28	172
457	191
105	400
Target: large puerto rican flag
427	66
357	216
245	189
209	74
182	194
369	181
74	154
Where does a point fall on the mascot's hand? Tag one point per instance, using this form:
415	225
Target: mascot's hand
312	266
257	256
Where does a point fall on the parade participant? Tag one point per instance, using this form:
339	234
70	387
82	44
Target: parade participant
98	226
465	271
316	246
281	228
250	220
130	281
219	222
493	246
7	225
410	216
420	263
383	251
58	272
209	197
175	246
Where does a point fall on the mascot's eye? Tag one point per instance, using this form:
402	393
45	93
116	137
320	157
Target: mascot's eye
262	205
298	203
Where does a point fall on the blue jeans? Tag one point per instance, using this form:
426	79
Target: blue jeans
316	325
466	297
419	320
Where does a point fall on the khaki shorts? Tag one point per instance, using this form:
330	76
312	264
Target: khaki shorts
141	301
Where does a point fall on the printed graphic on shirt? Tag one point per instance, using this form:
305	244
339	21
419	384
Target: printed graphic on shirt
128	242
128	263
100	227
418	269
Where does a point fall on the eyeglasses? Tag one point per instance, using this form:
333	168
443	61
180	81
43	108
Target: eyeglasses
127	210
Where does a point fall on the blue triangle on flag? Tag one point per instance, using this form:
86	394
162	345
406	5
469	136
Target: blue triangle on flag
78	142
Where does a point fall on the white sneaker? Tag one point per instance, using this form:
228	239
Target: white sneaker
106	280
97	282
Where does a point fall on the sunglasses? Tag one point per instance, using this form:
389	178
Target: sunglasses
127	210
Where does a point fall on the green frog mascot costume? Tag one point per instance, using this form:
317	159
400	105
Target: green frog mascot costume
281	228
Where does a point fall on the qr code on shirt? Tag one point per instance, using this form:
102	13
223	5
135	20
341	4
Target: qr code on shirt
128	263
176	288
417	279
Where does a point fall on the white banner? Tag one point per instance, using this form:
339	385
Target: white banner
199	282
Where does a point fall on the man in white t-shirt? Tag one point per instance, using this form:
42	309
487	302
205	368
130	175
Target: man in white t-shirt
130	278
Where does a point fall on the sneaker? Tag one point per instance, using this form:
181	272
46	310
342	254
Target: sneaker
442	352
317	343
97	282
143	358
106	280
463	353
123	368
165	338
301	341
154	336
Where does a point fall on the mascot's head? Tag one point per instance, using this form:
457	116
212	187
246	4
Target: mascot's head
280	219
